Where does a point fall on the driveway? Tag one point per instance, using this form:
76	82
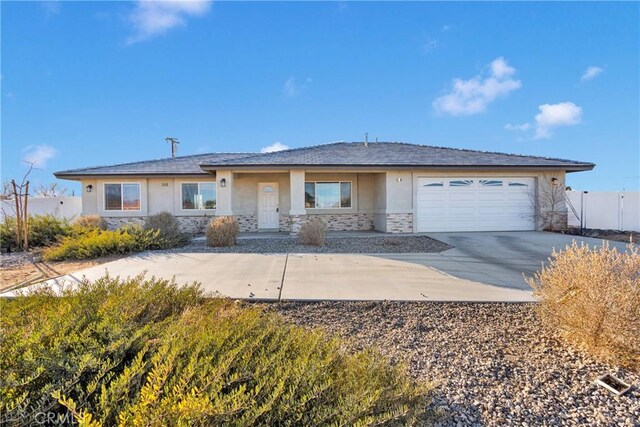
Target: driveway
498	258
482	267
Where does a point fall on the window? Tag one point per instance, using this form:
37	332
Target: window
517	184
434	184
198	195
461	183
327	195
490	183
122	197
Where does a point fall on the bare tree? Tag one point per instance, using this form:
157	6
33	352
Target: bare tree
20	195
51	190
549	203
7	191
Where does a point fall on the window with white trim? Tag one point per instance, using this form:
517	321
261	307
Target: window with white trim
198	195
327	195
122	196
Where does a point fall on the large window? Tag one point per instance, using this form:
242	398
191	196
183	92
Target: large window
327	195
122	196
198	195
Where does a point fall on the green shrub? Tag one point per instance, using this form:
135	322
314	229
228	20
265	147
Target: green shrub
222	231
591	296
43	230
146	352
96	243
89	222
169	229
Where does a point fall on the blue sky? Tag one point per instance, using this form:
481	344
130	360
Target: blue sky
87	83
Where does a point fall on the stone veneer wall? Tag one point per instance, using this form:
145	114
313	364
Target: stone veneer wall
188	224
400	223
346	222
247	222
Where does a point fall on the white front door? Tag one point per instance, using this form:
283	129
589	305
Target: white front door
268	212
475	204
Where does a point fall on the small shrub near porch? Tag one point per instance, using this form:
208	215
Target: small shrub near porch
148	352
222	231
312	233
592	297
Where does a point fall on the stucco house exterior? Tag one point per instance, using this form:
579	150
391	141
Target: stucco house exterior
389	187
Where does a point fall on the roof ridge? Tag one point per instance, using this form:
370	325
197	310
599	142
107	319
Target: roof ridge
289	150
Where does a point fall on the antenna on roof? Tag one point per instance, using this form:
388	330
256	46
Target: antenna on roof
366	139
174	145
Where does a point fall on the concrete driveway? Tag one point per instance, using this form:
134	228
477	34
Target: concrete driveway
482	267
498	258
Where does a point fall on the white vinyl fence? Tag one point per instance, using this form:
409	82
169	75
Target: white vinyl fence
62	207
606	210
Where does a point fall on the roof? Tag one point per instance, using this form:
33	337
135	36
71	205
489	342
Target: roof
182	165
337	154
394	154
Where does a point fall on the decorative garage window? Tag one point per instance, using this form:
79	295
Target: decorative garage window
122	196
461	183
327	195
434	184
517	184
490	183
198	195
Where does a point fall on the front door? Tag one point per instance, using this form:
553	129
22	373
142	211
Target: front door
268	212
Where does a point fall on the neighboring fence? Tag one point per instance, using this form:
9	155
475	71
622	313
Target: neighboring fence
62	207
605	210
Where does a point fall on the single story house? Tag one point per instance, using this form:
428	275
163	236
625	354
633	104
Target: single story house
389	187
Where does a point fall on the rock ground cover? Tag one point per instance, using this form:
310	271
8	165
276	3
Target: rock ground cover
372	244
495	364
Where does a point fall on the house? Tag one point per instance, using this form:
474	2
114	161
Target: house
389	187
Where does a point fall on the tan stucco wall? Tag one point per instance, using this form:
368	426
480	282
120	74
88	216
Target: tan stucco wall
89	200
245	192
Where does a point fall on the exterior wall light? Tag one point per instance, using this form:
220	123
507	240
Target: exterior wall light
89	188
223	182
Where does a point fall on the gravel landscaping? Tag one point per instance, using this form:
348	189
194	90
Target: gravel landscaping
494	364
368	244
18	259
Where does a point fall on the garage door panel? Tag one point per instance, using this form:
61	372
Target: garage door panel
475	204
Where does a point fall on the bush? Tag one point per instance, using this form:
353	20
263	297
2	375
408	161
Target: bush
169	229
312	232
89	222
43	230
222	231
592	297
96	243
147	352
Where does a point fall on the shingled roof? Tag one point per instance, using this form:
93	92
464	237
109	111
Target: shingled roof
338	154
392	154
183	165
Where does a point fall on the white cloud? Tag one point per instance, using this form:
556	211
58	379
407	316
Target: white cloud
152	18
591	73
555	115
277	146
474	95
38	154
292	88
523	127
446	28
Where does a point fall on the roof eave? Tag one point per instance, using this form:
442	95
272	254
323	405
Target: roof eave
568	167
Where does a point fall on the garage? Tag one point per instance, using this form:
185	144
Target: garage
475	204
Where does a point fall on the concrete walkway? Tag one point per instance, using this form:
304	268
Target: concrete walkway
302	277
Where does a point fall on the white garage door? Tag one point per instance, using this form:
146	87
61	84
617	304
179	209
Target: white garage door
475	204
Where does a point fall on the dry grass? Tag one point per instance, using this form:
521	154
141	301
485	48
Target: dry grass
312	233
592	297
90	222
222	231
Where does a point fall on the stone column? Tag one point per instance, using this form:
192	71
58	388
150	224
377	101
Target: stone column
223	194
298	213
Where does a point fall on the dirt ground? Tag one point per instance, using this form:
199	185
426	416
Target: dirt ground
16	268
619	236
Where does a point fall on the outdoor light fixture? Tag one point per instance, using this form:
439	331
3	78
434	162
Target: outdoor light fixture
89	188
223	182
554	180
